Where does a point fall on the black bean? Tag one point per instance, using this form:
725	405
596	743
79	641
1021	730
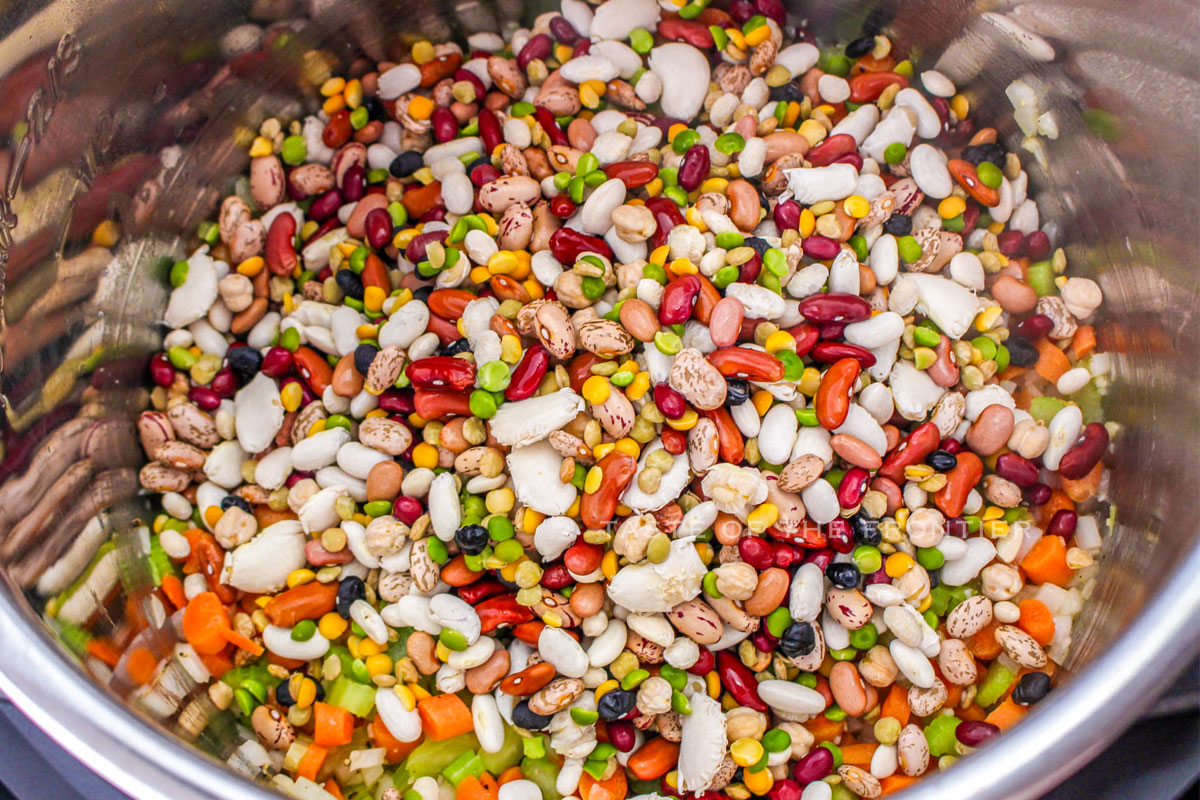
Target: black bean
350	284
843	574
616	704
737	391
406	163
245	363
233	500
364	354
456	347
350	588
798	640
1032	687
860	47
898	225
758	244
522	717
978	153
866	530
941	460
471	539
1020	352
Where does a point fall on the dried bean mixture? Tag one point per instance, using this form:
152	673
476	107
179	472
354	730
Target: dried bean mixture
646	402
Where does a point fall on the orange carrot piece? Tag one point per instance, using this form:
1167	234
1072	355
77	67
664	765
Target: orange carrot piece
509	775
1036	620
482	788
333	788
1058	502
614	787
444	716
1084	341
859	755
983	644
896	705
397	750
1086	487
654	759
1052	362
332	725
894	783
1007	714
103	649
1011	372
306	601
217	663
205	622
823	729
311	763
1047	562
173	588
141	665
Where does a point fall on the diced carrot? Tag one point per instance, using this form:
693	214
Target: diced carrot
101	648
173	588
1047	562
482	788
205	622
1036	620
972	712
953	694
983	644
614	787
217	663
1084	341
396	750
1058	502
1007	714
1086	487
191	564
444	716
333	788
141	665
894	783
509	775
266	516
306	601
654	759
1011	373
1052	362
896	705
311	763
332	725
859	755
824	729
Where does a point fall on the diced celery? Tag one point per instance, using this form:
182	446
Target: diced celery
509	754
994	684
430	757
1090	403
939	733
357	698
468	763
533	747
544	773
1040	276
159	561
1045	407
74	637
251	672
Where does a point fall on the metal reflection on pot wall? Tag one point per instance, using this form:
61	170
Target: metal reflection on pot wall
142	113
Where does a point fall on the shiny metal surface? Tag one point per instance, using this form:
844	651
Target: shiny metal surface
131	110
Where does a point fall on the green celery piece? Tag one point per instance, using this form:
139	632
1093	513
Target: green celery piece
159	561
509	754
994	684
254	672
357	698
544	773
74	637
430	757
1090	403
939	733
1045	407
468	763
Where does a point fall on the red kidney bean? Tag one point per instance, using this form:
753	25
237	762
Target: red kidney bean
556	577
161	371
832	400
694	168
773	9
831	331
563	30
822	557
748	270
942	107
502	610
397	401
853	159
415	252
378	225
527	377
952	497
829	352
473	79
820	248
731	446
669	401
787	215
224	383
667	215
952	446
1037	494
480	590
888	488
974	732
562	206
1017	469
756	551
621	732
1036	245
867	86
204	397
742	362
338	130
483	175
444	124
838	533
878	576
786	789
632	173
537	47
920	443
806	335
741	11
596	510
326	227
354	184
1062	524
785	554
763	640
1083	457
489	130
277	362
853	487
827	151
970	219
550	126
677	300
674	442
739	680
583	558
567	244
280	250
814	766
835	307
693	32
437	403
705	664
1009	242
325	206
1034	327
441	372
407	509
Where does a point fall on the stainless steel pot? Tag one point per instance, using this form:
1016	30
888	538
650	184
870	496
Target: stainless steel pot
139	111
